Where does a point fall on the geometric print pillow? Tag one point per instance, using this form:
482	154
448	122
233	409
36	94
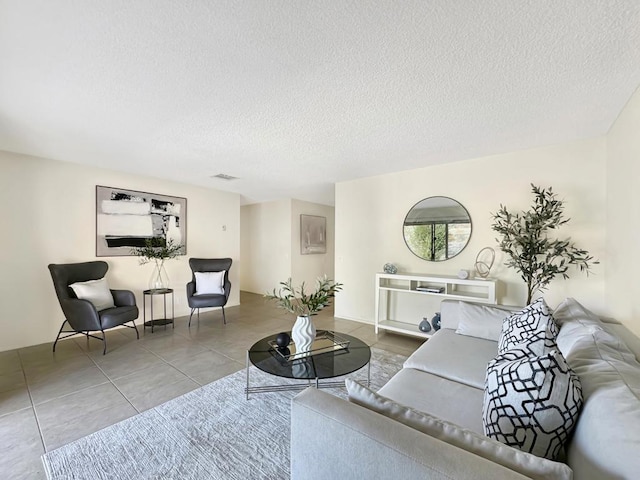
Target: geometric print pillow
533	327
531	403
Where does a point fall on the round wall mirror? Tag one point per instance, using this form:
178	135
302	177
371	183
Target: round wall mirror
437	228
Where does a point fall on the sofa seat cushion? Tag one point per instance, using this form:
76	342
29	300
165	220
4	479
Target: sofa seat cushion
438	396
524	463
460	358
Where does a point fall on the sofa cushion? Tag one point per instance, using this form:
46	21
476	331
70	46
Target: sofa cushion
450	312
531	403
449	432
533	326
606	440
457	357
482	321
444	398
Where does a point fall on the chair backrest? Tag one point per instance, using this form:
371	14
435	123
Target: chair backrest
211	265
65	274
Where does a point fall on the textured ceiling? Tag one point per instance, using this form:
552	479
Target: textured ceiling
293	96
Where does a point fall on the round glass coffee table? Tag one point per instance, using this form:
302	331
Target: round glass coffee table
333	355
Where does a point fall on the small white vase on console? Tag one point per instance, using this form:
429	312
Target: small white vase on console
303	334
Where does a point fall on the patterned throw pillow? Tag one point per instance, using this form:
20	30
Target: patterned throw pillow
531	403
533	327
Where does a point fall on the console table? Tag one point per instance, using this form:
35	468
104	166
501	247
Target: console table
444	286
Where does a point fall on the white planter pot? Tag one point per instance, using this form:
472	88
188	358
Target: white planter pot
303	334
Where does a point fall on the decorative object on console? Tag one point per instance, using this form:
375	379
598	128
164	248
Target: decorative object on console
127	219
435	321
156	250
525	239
313	234
463	274
425	325
297	301
437	228
390	268
484	262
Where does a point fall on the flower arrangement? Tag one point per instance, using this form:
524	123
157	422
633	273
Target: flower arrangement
157	250
299	302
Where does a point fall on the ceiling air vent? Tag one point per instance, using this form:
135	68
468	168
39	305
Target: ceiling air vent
224	176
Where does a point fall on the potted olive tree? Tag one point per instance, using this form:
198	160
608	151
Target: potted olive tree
525	238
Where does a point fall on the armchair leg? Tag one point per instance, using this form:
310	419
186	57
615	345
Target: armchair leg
224	317
192	310
134	326
58	337
104	340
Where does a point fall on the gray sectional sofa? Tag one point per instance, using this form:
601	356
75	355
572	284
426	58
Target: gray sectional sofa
440	434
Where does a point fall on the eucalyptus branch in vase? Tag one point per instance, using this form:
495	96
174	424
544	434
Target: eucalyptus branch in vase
157	250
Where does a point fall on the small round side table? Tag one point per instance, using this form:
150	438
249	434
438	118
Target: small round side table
157	321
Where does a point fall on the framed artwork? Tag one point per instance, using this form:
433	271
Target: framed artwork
313	234
128	218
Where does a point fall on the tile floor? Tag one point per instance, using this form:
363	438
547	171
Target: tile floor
48	400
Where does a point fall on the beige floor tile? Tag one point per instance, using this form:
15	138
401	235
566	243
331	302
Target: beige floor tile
43	354
73	416
11	381
126	361
21	446
154	385
207	366
14	400
115	339
10	362
62	382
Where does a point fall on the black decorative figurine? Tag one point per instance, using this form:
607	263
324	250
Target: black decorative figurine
283	339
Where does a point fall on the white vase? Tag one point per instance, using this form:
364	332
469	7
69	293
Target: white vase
303	334
159	280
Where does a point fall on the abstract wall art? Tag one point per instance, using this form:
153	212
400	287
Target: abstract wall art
127	218
313	234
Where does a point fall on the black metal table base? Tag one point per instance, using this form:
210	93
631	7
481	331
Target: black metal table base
315	382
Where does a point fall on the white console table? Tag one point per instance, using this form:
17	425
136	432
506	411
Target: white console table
476	290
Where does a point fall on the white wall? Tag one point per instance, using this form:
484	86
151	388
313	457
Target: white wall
270	246
266	245
370	212
307	268
623	216
49	217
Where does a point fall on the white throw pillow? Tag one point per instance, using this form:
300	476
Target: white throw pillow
96	291
524	463
531	403
481	321
533	325
208	283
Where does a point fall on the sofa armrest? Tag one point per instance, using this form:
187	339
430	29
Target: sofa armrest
331	438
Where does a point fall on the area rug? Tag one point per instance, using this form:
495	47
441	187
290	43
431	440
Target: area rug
212	432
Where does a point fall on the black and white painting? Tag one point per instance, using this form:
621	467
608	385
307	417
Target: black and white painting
313	234
128	218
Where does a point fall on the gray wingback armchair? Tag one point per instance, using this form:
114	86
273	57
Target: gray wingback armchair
208	300
81	315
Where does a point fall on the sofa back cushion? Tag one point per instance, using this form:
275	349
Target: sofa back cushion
606	440
450	312
524	463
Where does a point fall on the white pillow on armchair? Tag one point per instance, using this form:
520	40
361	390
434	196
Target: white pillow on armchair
209	283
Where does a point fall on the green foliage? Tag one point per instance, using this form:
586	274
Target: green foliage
156	249
420	237
298	302
531	252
